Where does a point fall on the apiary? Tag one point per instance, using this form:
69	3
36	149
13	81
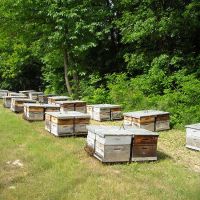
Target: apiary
36	112
43	98
3	93
35	95
73	105
193	136
7	100
114	144
104	112
109	143
26	92
70	123
152	120
55	99
17	104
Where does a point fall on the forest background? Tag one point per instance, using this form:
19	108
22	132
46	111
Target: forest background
142	54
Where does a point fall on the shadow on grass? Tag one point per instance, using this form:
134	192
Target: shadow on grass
163	156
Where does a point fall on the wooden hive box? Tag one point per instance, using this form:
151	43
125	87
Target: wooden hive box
36	111
55	99
15	94
73	105
193	136
17	104
109	143
104	112
3	93
26	92
7	100
66	124
151	120
144	145
43	98
35	95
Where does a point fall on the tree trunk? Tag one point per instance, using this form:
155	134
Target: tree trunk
65	54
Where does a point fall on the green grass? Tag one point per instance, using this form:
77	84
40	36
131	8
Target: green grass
58	168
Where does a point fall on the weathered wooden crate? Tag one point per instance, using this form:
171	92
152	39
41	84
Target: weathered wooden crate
55	99
35	95
72	105
104	112
152	120
193	136
3	93
44	98
26	92
17	104
66	124
36	112
144	145
109	143
7	100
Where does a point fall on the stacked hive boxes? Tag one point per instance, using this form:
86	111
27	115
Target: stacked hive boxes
35	112
66	124
152	120
3	93
112	144
104	112
193	136
7	100
109	144
35	95
44	98
56	99
74	105
17	104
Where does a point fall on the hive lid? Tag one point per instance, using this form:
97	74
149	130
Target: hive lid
24	100
140	131
4	91
14	97
34	92
103	130
194	126
109	130
144	113
69	115
106	106
70	101
41	105
59	97
26	91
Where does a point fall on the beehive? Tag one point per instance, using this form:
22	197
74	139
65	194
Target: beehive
36	112
17	105
109	144
35	95
66	124
3	93
104	112
152	120
55	99
44	98
144	145
26	92
15	94
114	144
7	100
193	136
74	105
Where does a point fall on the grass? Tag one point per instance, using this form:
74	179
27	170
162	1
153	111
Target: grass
58	168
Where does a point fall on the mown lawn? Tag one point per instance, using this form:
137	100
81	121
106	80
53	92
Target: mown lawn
58	168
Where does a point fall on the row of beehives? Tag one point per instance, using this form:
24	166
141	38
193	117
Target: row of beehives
61	124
